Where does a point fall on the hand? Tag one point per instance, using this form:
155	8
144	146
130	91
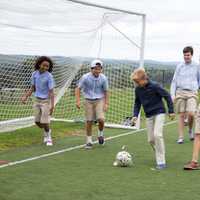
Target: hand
78	104
24	99
172	116
105	107
134	120
51	110
173	99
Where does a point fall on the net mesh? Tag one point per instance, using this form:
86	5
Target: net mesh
72	34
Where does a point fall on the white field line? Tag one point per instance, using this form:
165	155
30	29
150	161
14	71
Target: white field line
72	148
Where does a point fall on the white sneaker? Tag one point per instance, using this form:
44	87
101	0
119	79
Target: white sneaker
180	141
45	139
49	142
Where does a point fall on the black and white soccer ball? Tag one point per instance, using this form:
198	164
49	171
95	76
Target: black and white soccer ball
123	159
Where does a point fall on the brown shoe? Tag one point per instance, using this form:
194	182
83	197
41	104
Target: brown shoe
3	162
191	166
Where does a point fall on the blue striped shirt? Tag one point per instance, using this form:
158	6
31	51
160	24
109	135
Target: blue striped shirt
43	82
93	87
186	77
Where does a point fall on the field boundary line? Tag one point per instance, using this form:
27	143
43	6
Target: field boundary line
73	148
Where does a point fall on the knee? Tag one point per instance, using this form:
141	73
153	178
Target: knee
101	121
190	114
37	123
89	122
197	136
182	115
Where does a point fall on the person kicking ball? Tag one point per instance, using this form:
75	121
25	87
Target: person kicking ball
150	94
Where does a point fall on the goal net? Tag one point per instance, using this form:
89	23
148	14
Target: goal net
72	33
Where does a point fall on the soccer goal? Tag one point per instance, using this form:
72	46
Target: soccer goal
72	33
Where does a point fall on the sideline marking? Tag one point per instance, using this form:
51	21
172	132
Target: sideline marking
73	148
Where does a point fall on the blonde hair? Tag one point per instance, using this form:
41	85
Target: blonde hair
139	74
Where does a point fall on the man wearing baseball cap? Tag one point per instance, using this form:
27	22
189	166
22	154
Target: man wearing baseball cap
94	86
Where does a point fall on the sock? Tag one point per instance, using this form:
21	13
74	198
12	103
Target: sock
45	133
100	133
89	139
49	134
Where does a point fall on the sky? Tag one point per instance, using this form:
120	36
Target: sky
171	25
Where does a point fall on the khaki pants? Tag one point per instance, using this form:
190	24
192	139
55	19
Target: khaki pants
41	110
94	109
186	101
155	136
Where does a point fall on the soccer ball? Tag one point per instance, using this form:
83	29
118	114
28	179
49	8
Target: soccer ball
123	159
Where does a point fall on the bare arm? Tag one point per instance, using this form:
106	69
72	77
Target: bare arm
27	94
106	101
78	97
51	94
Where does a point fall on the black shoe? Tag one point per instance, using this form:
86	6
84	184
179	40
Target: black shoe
101	140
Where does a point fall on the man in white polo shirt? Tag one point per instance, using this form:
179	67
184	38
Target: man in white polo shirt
94	86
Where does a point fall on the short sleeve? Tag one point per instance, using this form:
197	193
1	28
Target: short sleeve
105	84
51	82
81	82
33	79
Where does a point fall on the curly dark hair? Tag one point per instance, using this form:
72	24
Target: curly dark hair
42	59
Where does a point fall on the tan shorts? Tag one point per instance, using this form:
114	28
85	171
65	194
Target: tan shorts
41	110
186	101
94	109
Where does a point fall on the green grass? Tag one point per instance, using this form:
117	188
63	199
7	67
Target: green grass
82	174
120	106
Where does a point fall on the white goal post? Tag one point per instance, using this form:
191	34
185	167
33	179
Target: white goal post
72	33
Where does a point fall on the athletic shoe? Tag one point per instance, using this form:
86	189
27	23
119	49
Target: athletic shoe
101	140
191	166
161	166
45	137
3	162
180	141
45	140
191	135
49	142
88	146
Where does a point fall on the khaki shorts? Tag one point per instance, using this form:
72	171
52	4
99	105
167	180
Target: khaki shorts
186	101
41	110
94	109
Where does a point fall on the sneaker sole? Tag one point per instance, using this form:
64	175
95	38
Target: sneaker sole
49	144
186	168
88	148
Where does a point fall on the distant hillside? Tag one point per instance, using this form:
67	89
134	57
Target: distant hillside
18	59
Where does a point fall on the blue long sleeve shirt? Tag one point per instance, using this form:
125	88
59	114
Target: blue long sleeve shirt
186	77
150	97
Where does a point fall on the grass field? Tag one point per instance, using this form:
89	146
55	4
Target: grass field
88	174
120	106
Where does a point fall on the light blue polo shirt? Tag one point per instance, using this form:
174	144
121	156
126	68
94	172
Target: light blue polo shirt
93	87
186	77
43	82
